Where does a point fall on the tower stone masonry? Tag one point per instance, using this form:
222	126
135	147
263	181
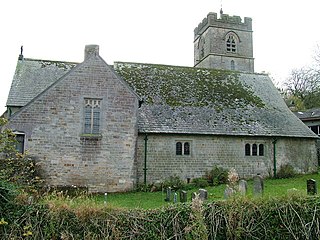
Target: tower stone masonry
224	43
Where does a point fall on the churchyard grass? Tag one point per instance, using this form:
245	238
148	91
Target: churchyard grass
273	188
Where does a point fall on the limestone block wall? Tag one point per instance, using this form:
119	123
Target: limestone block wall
227	152
54	127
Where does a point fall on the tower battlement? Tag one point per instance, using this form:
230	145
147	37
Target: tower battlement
225	21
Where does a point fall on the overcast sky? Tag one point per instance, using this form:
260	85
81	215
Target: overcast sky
285	35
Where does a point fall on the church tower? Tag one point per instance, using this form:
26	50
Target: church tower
224	43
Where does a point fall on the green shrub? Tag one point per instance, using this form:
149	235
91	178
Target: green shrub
200	182
286	171
217	176
175	182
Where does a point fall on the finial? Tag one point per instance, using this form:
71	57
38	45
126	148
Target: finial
221	11
21	53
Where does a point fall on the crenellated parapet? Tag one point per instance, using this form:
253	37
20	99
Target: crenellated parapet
225	21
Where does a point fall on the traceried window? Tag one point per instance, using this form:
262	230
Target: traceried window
231	43
92	112
182	148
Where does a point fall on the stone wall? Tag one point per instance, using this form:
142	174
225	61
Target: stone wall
227	152
54	125
210	43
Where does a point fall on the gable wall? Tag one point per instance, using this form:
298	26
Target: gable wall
53	124
227	152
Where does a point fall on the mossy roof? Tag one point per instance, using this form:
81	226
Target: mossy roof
182	100
32	76
190	100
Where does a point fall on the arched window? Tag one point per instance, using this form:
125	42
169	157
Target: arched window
247	149
178	148
231	43
232	65
186	148
261	150
254	149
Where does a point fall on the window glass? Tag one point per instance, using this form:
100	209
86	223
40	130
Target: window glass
20	143
92	116
247	149
254	149
186	148
178	148
261	150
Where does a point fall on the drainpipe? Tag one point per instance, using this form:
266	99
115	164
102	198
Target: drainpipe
145	158
274	158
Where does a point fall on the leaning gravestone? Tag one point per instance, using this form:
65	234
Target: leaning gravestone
183	196
312	187
243	187
258	185
203	194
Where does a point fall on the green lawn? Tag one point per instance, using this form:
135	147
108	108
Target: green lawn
147	200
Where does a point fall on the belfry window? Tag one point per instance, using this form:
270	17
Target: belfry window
92	116
231	44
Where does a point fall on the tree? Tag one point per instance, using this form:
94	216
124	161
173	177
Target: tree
15	167
303	85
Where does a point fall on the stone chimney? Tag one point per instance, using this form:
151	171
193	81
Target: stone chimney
91	50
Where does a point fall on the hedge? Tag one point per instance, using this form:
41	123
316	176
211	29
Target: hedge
238	218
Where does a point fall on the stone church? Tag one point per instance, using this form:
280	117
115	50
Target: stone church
109	127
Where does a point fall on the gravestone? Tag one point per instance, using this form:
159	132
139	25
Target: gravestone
243	187
168	196
175	197
312	187
183	196
203	194
228	192
258	185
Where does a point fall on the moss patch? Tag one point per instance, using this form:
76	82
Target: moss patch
186	86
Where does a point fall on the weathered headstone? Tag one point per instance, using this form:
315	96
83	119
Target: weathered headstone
243	187
183	196
175	197
312	187
258	185
168	196
203	194
228	192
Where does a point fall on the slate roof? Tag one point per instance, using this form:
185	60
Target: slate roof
207	101
309	115
183	100
32	76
